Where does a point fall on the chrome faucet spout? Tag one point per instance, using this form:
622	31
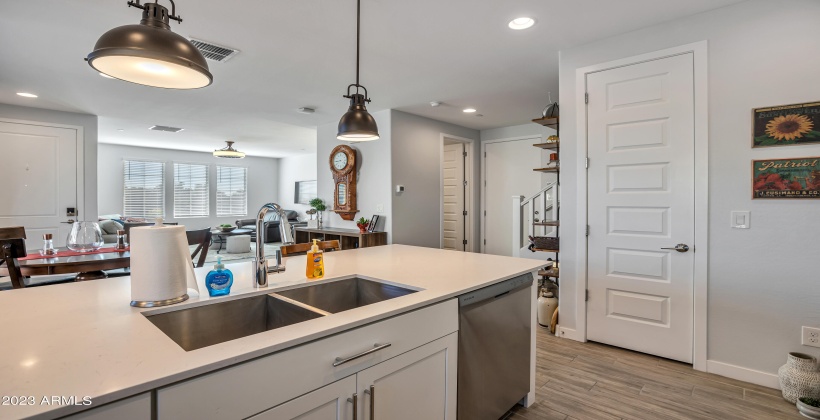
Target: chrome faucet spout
286	232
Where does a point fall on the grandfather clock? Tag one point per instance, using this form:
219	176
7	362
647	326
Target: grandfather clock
343	168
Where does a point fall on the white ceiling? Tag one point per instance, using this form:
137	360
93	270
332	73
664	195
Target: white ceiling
301	53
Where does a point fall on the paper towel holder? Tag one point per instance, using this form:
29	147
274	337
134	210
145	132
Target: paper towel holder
157	303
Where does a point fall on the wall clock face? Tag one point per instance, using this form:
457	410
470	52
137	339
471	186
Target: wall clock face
339	160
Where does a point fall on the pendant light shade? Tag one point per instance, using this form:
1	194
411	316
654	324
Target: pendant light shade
357	124
228	152
150	53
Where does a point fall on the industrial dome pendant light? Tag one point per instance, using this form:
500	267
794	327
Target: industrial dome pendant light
228	152
357	124
150	53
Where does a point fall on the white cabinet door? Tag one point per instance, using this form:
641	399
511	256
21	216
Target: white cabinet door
419	384
326	403
137	407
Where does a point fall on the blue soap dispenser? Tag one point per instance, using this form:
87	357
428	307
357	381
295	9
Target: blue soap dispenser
219	280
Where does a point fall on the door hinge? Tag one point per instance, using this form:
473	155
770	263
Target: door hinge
485	154
464	242
587	230
485	242
586	163
586	298
485	213
586	98
464	213
464	154
465	183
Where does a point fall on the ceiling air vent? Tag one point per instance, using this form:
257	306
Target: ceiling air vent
214	52
166	128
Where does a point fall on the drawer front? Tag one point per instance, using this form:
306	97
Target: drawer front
137	407
250	388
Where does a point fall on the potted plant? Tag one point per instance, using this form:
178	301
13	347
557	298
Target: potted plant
809	407
362	224
319	205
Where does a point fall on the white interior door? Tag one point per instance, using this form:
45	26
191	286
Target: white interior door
40	180
508	171
641	202
453	220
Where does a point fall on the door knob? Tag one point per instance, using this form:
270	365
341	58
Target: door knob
680	248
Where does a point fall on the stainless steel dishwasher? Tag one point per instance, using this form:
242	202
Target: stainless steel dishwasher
494	348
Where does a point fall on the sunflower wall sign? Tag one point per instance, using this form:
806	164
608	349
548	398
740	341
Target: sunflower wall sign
786	125
786	178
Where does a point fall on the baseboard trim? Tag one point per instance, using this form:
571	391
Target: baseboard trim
570	333
743	374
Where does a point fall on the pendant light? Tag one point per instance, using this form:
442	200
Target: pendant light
228	152
150	53
357	124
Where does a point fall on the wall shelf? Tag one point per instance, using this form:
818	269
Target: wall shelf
546	170
547	121
545	250
546	223
552	146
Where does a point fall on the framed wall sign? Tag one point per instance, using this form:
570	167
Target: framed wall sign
786	125
786	178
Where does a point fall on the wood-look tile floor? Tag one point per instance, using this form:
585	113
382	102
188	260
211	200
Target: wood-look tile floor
595	381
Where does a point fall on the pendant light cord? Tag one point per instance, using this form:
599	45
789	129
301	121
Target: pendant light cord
358	37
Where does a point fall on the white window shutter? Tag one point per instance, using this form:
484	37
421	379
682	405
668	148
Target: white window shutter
191	192
143	189
231	191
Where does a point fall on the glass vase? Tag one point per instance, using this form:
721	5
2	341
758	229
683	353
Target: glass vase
85	237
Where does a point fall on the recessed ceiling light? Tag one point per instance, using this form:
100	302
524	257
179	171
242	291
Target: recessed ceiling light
435	104
26	95
106	76
521	23
469	110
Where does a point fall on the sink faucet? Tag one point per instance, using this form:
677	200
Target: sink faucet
262	269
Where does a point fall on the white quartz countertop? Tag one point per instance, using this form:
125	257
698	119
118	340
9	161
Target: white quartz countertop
84	340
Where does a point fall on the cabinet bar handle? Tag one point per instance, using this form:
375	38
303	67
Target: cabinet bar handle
355	401
372	402
376	347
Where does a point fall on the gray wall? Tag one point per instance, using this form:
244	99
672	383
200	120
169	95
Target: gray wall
263	182
416	157
291	170
88	203
373	178
762	281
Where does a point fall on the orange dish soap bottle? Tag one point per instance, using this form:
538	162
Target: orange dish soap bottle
315	262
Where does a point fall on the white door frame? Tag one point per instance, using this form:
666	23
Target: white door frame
700	248
80	158
535	137
469	198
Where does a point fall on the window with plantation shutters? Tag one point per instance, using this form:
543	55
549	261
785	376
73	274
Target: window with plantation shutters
191	195
231	191
143	189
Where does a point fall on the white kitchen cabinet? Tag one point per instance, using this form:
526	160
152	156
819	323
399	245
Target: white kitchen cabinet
327	403
137	407
419	384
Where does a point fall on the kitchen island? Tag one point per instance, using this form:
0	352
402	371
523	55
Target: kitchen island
83	343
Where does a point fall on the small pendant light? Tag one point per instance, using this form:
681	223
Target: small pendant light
150	53
357	124
228	152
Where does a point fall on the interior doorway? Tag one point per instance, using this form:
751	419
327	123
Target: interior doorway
456	194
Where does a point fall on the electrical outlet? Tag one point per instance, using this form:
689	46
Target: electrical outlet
811	336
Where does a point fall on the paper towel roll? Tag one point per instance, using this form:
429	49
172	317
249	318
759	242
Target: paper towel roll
161	266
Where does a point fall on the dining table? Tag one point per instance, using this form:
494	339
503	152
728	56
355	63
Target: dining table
85	265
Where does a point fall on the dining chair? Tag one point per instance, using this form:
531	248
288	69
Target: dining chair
201	238
12	247
299	249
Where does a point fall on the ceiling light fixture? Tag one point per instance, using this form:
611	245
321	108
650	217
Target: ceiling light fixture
469	110
106	76
228	152
26	95
357	124
150	53
521	23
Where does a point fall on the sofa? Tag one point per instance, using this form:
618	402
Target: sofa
272	233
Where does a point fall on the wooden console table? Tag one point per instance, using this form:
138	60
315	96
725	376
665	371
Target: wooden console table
348	238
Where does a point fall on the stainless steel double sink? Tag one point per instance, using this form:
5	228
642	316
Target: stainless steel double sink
206	325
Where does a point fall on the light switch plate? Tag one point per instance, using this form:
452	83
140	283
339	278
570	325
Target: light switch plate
379	208
741	219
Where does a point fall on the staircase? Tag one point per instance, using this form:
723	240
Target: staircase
537	216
